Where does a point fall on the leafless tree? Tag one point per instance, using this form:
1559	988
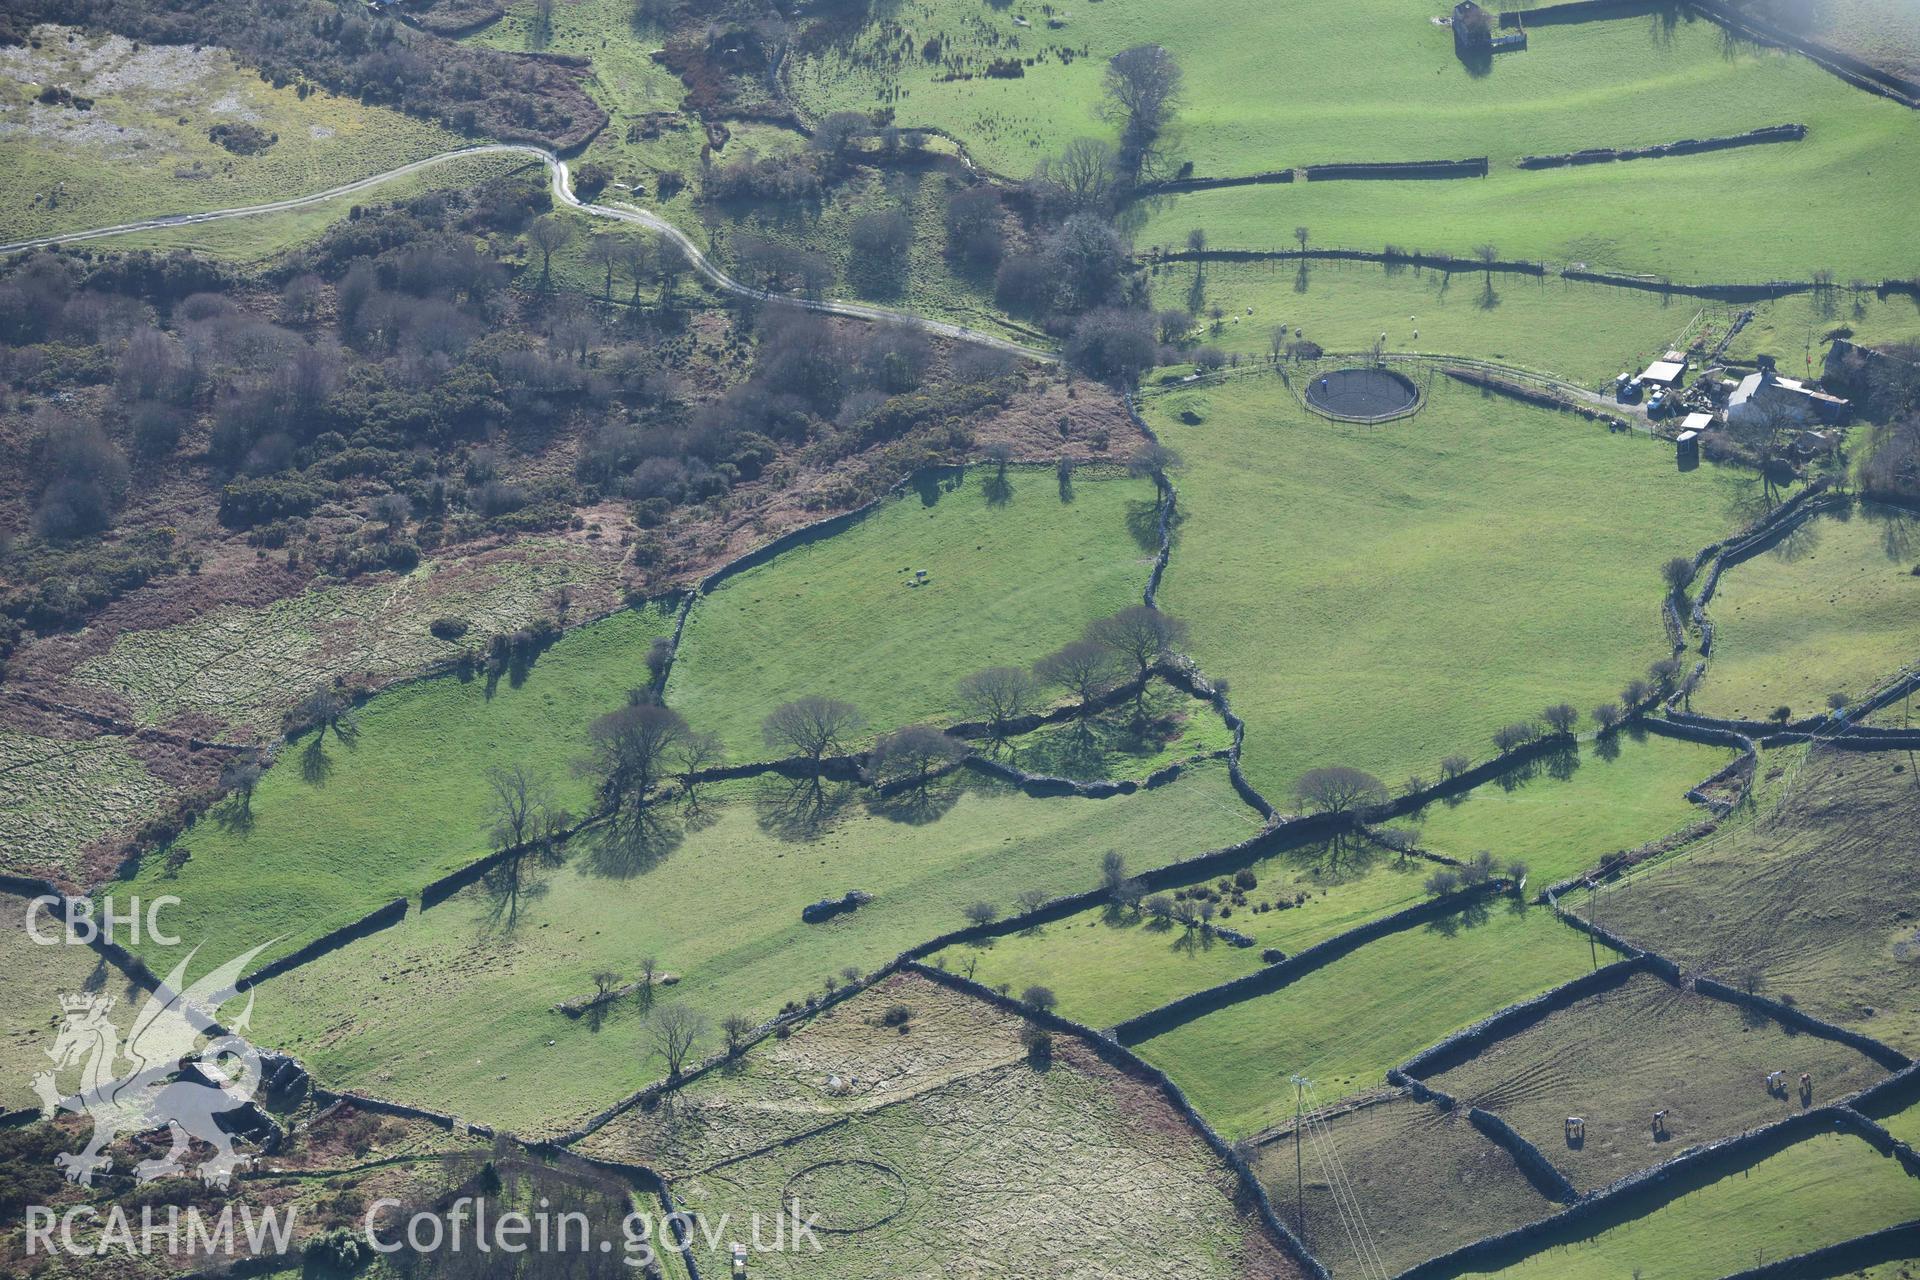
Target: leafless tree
675	1031
1154	461
735	1027
1082	178
1338	789
629	750
693	754
549	233
812	728
912	755
1607	716
1143	86
1561	717
1083	669
980	913
1678	575
1140	636
1511	737
1029	901
604	251
997	696
636	257
516	797
238	777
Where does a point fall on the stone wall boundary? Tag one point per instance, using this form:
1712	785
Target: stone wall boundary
1125	1060
1466	1044
1705	1161
1273	977
1884	1054
1547	1180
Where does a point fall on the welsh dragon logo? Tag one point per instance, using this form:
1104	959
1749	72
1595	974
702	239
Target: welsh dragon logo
161	1082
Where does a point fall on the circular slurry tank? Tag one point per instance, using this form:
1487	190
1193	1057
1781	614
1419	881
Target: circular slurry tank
1362	395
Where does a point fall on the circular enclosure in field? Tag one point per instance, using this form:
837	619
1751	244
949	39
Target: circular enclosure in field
1362	395
847	1196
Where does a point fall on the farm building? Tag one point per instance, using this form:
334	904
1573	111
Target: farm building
1767	391
1664	373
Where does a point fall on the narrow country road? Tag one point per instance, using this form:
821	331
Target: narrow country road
563	194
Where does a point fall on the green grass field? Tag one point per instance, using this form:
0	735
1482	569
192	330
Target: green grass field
1805	902
142	150
1385	597
1008	579
1834	608
1795	330
1425	1181
1619	795
1617	1057
30	1013
1904	1125
1106	966
1820	1191
1586	333
405	805
453	1008
1344	1025
1270	89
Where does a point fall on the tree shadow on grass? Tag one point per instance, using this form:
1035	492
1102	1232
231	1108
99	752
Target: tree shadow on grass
917	806
234	816
1143	523
1563	762
1471	916
632	844
800	810
316	766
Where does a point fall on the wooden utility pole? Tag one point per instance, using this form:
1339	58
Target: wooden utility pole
1593	947
1299	1179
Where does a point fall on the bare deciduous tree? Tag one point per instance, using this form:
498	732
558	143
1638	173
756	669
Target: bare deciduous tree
628	752
549	233
675	1031
1140	635
1511	737
1338	789
1084	669
980	913
1082	178
912	755
735	1027
693	754
516	798
1143	86
997	696
812	728
1678	574
603	251
1561	717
